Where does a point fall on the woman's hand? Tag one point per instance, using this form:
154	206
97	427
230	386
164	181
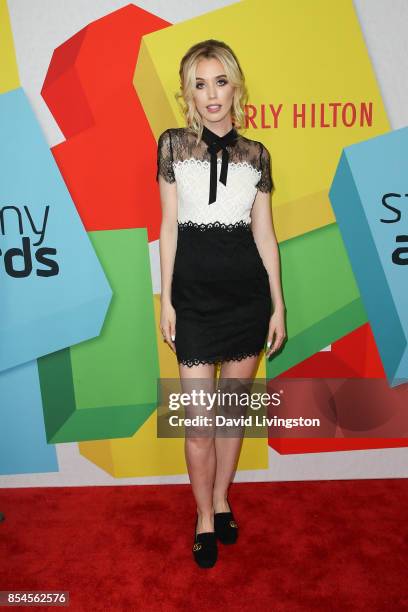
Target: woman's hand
277	329
168	323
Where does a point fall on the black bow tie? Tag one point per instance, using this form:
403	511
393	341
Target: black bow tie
216	143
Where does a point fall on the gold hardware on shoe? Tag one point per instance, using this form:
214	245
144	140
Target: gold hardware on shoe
197	546
233	524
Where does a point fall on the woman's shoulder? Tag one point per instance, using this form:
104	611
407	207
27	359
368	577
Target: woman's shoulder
175	138
251	141
176	131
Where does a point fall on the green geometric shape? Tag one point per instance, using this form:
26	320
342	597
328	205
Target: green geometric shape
106	387
322	299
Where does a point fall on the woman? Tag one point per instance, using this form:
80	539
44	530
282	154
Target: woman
220	268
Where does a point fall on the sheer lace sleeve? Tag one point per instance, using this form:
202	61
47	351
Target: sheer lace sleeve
165	157
265	183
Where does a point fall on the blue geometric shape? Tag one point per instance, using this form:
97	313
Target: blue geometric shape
54	292
369	195
23	445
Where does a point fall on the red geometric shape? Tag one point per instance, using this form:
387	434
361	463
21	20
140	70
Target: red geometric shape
109	158
330	445
353	356
354	414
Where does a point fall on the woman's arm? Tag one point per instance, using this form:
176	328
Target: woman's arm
168	236
167	249
265	239
267	245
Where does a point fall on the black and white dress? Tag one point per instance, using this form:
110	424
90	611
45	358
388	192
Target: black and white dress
220	287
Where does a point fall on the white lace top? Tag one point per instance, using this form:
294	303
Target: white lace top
180	159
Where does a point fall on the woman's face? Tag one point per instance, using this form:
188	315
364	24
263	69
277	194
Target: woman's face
213	94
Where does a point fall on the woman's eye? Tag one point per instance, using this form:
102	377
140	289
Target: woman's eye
220	81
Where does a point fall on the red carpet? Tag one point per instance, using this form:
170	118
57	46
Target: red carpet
322	545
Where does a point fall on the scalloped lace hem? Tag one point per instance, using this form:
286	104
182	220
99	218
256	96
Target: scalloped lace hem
214	225
213	360
194	161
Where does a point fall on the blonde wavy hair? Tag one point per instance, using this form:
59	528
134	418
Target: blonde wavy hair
210	49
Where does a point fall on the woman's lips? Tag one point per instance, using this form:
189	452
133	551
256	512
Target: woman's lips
214	108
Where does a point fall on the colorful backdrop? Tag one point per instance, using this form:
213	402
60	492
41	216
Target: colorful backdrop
86	89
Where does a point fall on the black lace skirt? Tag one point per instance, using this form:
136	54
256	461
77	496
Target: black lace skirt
220	292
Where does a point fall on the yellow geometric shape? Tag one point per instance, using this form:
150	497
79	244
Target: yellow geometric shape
296	217
144	454
9	78
305	58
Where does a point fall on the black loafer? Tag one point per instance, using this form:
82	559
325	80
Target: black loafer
205	549
226	528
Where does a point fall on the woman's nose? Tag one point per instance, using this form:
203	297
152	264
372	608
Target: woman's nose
211	91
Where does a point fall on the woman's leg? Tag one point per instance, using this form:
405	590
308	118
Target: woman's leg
228	448
199	444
